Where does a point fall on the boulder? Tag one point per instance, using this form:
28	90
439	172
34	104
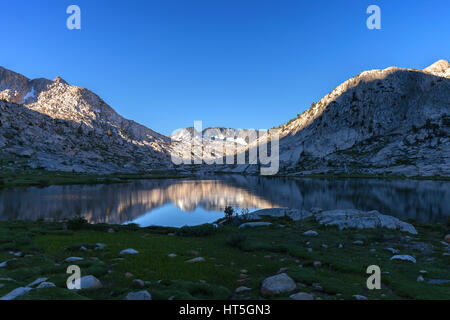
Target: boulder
294	214
357	219
44	285
278	284
37	281
129	251
73	259
16	293
198	259
140	295
242	289
311	233
301	296
404	257
254	224
90	283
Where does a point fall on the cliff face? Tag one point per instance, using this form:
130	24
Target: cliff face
381	121
64	127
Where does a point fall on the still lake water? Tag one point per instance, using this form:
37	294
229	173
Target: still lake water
179	202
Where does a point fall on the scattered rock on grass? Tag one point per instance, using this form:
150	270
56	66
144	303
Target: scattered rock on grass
73	259
311	233
198	259
18	292
172	255
420	279
447	238
404	257
359	297
140	295
357	219
438	281
138	283
129	251
242	289
302	296
90	283
44	285
280	283
254	224
37	281
392	250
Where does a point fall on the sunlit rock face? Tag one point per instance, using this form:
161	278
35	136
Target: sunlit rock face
404	199
69	128
381	121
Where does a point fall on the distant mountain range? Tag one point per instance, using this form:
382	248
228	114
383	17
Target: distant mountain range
381	121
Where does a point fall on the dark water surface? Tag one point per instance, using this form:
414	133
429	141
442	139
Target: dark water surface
178	202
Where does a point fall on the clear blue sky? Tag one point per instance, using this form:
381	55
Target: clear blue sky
231	63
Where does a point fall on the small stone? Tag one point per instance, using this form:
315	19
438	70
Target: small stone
423	271
73	259
317	264
44	285
447	238
129	251
359	297
324	246
404	257
358	242
420	279
282	270
129	275
37	281
138	283
301	296
9	279
392	250
100	246
172	255
198	259
277	284
340	246
90	283
438	281
193	252
244	271
16	293
140	295
111	230
310	249
254	224
242	289
311	233
83	248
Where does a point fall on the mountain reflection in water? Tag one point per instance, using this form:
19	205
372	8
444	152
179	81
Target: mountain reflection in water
177	202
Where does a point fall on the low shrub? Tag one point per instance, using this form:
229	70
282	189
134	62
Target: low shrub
197	231
77	223
237	240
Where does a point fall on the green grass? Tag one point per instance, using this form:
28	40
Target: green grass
261	251
43	178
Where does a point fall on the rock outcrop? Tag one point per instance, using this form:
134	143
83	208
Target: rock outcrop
391	121
57	126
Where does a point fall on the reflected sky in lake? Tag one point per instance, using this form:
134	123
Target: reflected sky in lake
178	202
